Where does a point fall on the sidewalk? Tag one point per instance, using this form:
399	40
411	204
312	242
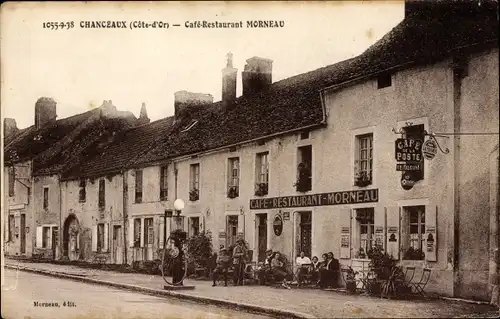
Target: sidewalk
295	302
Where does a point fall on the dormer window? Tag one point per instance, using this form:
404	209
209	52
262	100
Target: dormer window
187	128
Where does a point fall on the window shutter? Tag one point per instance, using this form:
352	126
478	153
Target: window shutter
142	232
39	234
94	238
161	231
380	227
345	233
49	243
106	237
393	231
77	240
405	231
6	230
430	233
186	224
241	224
131	232
202	223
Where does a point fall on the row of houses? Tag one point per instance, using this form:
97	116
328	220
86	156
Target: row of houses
307	163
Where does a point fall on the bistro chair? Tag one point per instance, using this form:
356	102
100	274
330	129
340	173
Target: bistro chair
420	285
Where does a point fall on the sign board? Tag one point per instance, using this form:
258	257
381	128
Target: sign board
222	234
324	199
278	225
429	149
408	150
407	182
345	237
408	167
286	215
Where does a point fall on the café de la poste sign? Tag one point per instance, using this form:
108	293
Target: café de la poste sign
323	199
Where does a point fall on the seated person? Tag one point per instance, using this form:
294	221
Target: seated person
278	269
323	272
303	264
222	265
265	268
315	269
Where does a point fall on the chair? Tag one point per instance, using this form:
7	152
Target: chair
420	285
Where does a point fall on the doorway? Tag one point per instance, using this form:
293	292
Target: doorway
261	236
55	234
305	234
71	237
117	244
23	233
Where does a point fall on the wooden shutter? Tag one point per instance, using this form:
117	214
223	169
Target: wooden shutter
77	240
202	224
430	233
161	232
49	241
39	235
186	224
94	238
142	232
106	237
241	224
405	232
345	233
6	229
380	227
393	231
131	234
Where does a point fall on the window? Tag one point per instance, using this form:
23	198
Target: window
384	80
194	191
233	177
102	193
12	181
45	198
163	183
262	174
12	227
137	232
138	186
414	229
148	231
364	160
365	218
416	132
304	169
82	193
231	229
194	226
100	237
45	237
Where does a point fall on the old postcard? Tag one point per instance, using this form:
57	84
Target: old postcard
317	159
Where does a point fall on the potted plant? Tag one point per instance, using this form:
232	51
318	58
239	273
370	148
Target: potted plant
233	192
261	189
194	195
363	179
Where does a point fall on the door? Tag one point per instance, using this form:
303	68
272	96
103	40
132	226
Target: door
23	233
55	233
305	231
117	244
262	236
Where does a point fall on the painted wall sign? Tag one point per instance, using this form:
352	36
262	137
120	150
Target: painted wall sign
324	199
345	237
408	167
286	215
408	150
429	149
278	225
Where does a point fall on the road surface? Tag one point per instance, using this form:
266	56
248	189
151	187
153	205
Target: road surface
27	295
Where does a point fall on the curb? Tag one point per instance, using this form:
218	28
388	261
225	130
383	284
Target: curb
165	293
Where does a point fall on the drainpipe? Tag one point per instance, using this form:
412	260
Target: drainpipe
494	227
125	215
60	216
175	174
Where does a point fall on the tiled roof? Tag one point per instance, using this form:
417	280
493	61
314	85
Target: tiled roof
113	156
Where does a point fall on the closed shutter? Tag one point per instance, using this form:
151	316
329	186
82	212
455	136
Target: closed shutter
405	232
39	235
241	225
380	227
131	232
202	224
430	233
345	233
142	232
49	241
393	231
186	224
94	238
106	237
6	230
161	232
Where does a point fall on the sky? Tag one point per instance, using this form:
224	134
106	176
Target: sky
79	68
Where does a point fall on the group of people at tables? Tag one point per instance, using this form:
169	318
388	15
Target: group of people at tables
322	274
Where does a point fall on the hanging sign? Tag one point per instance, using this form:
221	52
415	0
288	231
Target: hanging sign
429	149
406	181
408	150
278	225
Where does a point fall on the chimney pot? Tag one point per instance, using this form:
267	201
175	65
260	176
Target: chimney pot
45	112
9	127
229	83
257	75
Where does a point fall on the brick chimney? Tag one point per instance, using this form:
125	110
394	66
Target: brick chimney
9	127
45	112
188	104
257	75
229	83
143	117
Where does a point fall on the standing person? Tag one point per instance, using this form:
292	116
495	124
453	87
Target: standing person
278	269
303	262
333	267
323	272
222	265
239	255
